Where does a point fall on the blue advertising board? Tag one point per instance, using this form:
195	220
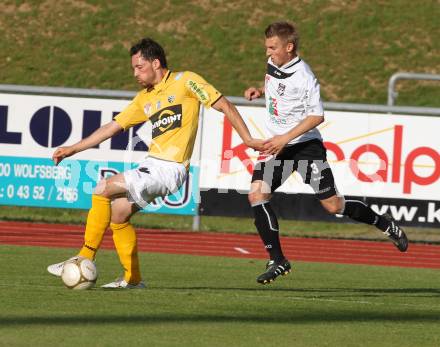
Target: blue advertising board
33	126
27	181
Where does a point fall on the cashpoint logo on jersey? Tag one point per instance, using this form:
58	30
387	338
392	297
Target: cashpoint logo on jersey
166	119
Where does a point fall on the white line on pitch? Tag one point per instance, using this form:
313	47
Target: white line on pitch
241	250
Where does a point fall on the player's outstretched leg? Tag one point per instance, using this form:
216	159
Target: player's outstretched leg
395	233
360	212
97	221
273	270
267	226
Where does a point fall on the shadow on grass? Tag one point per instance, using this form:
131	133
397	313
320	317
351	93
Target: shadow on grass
263	318
363	292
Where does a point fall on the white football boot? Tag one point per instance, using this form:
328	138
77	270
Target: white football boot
57	269
120	283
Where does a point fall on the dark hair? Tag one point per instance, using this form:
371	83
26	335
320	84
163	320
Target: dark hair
150	50
285	31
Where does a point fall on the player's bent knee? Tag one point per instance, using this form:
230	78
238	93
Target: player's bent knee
334	207
120	216
119	219
255	198
105	188
100	188
252	198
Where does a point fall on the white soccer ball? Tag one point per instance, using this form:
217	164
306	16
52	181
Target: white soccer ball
79	273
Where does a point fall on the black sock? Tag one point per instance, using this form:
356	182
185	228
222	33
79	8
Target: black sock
267	226
360	212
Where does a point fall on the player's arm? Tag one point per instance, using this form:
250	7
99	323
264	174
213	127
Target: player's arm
254	93
230	111
275	144
101	134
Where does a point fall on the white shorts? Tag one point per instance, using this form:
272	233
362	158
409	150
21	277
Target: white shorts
153	178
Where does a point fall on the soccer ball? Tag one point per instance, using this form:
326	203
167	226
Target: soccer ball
79	273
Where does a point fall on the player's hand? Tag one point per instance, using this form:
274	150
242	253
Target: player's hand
252	93
61	153
275	145
255	144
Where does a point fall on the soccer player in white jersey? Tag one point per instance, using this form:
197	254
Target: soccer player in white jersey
294	110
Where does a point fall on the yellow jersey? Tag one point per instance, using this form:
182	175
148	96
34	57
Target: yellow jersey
172	106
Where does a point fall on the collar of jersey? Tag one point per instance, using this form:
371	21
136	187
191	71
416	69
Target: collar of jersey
160	85
288	66
291	63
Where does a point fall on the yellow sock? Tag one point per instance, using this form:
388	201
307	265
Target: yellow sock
124	237
97	222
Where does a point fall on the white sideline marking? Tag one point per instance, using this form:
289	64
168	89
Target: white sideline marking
241	250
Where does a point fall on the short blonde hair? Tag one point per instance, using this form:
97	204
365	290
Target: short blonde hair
286	31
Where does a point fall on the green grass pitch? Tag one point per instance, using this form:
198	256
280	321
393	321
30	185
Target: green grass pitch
214	301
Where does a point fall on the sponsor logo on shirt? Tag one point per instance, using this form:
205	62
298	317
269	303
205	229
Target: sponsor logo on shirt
171	99
281	89
147	108
167	119
198	90
273	108
278	120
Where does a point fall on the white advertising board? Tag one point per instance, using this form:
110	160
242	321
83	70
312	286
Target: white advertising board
371	155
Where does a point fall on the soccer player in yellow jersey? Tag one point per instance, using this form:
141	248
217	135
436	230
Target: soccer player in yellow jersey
171	102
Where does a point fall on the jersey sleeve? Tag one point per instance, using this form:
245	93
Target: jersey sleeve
200	89
313	99
132	115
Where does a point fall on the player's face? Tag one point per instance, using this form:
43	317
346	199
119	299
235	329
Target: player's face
143	70
279	51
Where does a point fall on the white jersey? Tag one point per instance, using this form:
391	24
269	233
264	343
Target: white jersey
292	94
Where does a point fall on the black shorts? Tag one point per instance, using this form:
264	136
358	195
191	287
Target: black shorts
308	158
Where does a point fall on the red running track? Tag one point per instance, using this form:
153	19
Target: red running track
230	245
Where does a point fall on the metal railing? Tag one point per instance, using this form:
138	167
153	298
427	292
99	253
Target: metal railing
340	106
392	94
45	90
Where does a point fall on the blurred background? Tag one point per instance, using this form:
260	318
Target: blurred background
353	46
